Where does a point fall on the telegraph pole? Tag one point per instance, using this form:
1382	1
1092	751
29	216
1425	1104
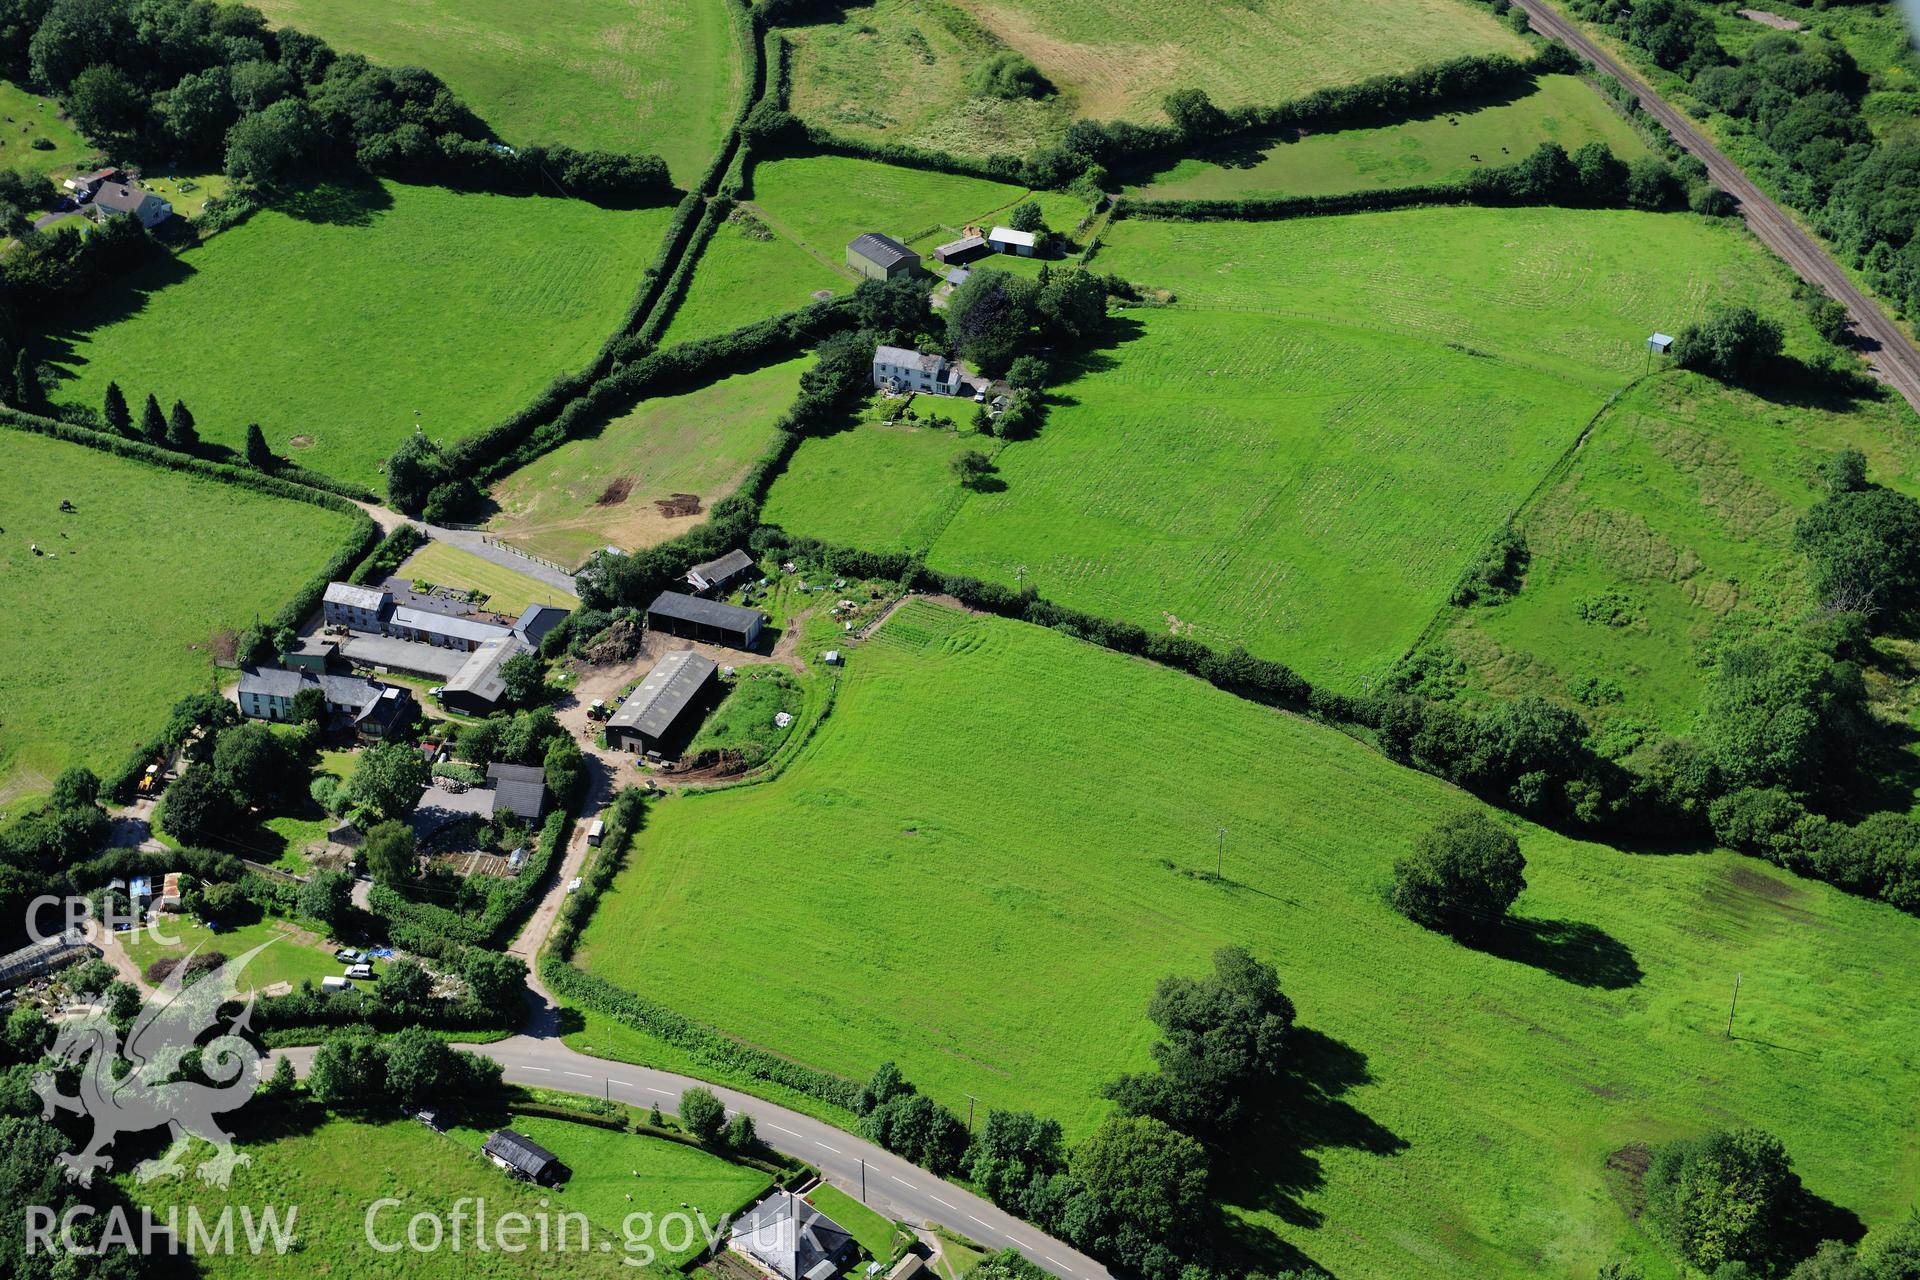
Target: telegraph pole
1733	1006
970	1101
863	1179
1220	856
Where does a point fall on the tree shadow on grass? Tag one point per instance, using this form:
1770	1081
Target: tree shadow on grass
1275	1167
1807	1219
338	204
1570	950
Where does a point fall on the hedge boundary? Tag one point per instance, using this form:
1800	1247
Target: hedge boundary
427	929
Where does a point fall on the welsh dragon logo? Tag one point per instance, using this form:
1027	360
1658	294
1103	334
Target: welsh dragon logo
150	1091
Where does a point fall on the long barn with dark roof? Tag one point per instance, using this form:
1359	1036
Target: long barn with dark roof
692	618
664	710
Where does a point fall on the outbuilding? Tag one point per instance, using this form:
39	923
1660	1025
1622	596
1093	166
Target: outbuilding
692	618
1007	240
524	1158
356	608
879	257
477	687
965	249
519	789
717	575
663	712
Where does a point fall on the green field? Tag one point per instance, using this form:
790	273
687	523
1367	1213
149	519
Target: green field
415	306
671	1177
699	442
741	278
508	591
332	1170
1471	1099
1678	513
114	623
295	955
1436	148
1302	455
27	117
902	71
661	77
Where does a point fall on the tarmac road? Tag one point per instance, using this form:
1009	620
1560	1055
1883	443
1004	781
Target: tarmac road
1890	354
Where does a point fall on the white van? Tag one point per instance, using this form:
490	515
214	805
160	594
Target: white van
595	831
333	982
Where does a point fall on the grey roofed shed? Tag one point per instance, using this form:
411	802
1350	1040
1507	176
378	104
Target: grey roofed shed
881	250
440	624
650	715
523	1156
477	686
519	788
538	619
720	572
414	656
683	615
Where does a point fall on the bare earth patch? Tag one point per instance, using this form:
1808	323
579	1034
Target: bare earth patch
615	493
1766	19
679	506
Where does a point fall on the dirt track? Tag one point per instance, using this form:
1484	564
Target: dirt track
1892	356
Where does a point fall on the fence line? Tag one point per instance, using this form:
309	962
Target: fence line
493	541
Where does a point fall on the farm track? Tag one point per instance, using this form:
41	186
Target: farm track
1891	356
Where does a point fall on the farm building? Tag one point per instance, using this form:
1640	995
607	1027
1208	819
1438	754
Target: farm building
1007	240
664	709
440	807
898	370
519	789
169	892
42	958
403	655
87	184
313	654
524	1158
124	199
879	257
374	710
477	687
356	608
791	1238
427	627
718	575
538	619
966	249
692	618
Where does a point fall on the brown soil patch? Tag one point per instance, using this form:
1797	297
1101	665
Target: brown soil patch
1748	880
300	442
1626	1170
223	644
679	505
615	493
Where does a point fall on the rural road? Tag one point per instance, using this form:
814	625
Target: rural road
1891	356
895	1188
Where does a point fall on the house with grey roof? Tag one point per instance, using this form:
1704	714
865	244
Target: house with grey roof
129	199
519	789
477	688
536	620
663	712
356	608
371	709
879	257
694	618
717	575
792	1239
899	370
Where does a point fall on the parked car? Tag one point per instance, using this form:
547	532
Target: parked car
360	972
347	954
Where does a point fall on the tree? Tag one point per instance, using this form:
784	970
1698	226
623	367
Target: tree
1223	1051
1193	114
388	780
1718	1199
1149	1174
105	103
259	456
197	112
422	1068
197	808
114	410
1026	216
1650	184
1862	545
896	306
524	679
389	852
327	896
76	788
1833	1260
1029	372
1733	344
1015	1149
1008	76
256	763
182	433
564	769
989	316
1778	712
282	1083
453	500
404	985
495	981
1071	305
1461	876
348	1070
1599	172
26	381
122	1000
971	467
309	706
702	1114
153	423
414	471
741	1135
269	147
1845	471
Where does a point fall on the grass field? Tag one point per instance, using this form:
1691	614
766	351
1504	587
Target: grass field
296	954
332	1170
673	1178
1437	148
902	71
621	75
1301	455
508	591
869	1230
699	442
1678	513
27	117
112	626
1469	1098
416	306
741	278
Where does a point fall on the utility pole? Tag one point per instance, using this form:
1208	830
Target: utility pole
863	1179
970	1101
1220	856
1733	1006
